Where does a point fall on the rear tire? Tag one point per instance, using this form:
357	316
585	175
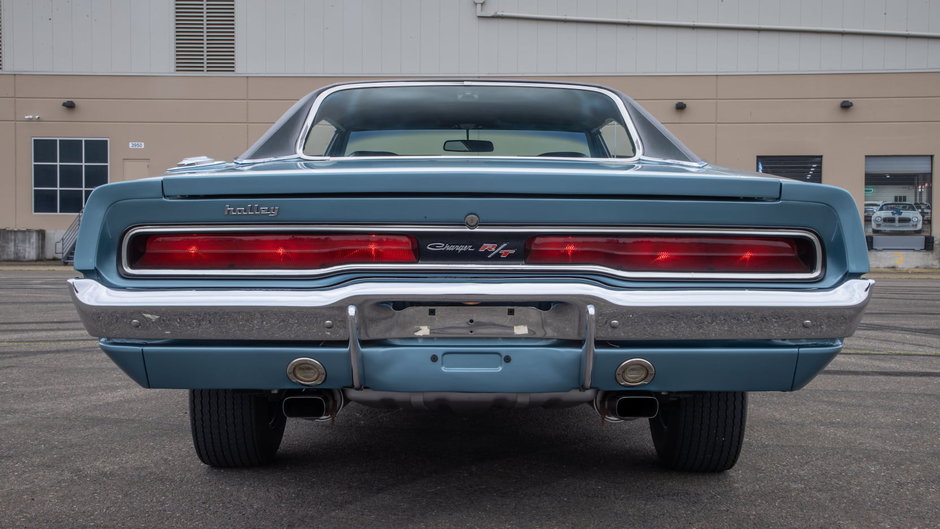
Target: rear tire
702	432
235	428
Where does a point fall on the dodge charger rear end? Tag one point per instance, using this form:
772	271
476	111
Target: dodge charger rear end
469	245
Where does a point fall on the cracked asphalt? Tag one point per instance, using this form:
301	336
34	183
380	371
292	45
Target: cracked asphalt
81	445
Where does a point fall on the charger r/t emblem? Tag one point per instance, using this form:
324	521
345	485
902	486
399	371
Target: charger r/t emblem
494	250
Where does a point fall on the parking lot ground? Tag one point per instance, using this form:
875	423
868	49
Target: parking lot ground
81	445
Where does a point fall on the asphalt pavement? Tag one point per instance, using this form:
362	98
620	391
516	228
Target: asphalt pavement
81	445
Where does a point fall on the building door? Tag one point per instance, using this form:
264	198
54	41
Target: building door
897	200
135	168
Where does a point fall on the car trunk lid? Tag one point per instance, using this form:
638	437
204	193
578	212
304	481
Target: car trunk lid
472	177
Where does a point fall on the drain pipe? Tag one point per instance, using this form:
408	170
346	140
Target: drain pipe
702	25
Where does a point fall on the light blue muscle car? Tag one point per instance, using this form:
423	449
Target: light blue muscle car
470	244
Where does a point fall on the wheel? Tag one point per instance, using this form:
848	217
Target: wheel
702	432
235	428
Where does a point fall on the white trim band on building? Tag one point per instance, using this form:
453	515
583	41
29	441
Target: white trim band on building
703	25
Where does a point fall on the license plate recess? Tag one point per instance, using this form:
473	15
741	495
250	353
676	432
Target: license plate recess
559	321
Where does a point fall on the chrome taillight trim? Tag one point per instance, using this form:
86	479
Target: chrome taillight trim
816	273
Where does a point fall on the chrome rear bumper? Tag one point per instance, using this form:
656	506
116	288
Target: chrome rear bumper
450	310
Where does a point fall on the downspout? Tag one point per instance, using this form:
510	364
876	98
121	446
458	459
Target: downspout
702	25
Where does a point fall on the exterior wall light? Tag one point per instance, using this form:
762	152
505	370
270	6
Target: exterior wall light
680	105
846	104
68	104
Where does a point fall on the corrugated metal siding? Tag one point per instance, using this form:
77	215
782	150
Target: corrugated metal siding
89	36
431	37
445	37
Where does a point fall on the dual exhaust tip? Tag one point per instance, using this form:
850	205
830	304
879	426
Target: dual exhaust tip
307	406
616	407
612	406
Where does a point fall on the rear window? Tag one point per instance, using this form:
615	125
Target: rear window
469	120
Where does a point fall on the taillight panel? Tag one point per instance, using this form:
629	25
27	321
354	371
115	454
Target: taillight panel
677	253
270	251
633	253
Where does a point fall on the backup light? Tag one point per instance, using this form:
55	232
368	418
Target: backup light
635	372
242	251
306	371
677	253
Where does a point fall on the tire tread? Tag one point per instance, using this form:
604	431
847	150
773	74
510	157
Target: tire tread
703	432
233	428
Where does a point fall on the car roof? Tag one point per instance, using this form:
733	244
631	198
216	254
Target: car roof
281	140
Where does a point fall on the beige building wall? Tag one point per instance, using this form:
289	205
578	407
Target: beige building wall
730	120
7	154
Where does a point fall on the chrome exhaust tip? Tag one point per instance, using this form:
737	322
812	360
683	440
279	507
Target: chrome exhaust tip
634	407
616	407
305	407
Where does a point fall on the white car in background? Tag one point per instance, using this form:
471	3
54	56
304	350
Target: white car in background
897	217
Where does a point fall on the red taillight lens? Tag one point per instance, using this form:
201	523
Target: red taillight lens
239	251
680	253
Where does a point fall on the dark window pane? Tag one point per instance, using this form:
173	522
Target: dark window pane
87	194
96	151
70	201
96	175
805	168
70	151
70	176
44	176
44	151
44	201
